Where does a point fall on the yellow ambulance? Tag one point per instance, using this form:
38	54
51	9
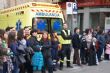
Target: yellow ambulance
42	16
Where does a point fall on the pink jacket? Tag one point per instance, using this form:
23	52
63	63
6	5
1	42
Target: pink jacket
107	49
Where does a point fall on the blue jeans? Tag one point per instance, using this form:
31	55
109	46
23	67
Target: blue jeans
48	64
15	68
1	71
99	53
5	67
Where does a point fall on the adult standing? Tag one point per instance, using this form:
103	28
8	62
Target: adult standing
76	46
66	43
22	45
83	49
27	37
55	46
101	41
13	45
33	43
46	50
91	53
3	51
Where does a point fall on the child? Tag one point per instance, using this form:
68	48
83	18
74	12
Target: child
37	61
108	49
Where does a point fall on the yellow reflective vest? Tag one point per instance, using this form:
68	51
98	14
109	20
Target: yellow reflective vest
66	34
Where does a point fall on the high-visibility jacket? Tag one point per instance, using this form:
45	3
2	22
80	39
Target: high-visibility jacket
66	37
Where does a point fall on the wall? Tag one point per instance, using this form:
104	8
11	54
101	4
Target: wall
9	3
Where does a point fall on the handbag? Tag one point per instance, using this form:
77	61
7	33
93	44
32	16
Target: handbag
21	59
97	45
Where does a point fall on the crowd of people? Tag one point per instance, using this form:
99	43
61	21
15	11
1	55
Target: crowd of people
23	52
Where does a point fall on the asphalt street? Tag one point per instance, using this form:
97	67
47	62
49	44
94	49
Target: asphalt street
103	67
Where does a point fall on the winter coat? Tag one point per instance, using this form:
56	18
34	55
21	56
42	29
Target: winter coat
14	48
22	46
22	50
37	61
76	41
54	44
2	48
88	40
83	43
46	48
101	40
3	53
33	43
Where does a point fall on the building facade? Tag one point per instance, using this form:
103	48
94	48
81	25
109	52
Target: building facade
9	3
91	13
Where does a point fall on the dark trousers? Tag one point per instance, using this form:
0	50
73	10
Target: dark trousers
83	55
91	57
5	68
106	56
76	58
47	65
1	71
22	68
65	52
54	52
99	53
15	70
28	67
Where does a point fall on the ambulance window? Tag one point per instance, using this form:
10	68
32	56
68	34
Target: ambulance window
40	24
56	25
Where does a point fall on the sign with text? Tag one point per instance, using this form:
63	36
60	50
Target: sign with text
71	8
47	14
75	8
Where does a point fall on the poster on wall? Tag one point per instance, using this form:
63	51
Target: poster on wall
71	8
75	8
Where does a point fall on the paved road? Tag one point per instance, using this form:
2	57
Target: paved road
103	67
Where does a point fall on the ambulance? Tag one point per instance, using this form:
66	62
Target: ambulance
43	16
